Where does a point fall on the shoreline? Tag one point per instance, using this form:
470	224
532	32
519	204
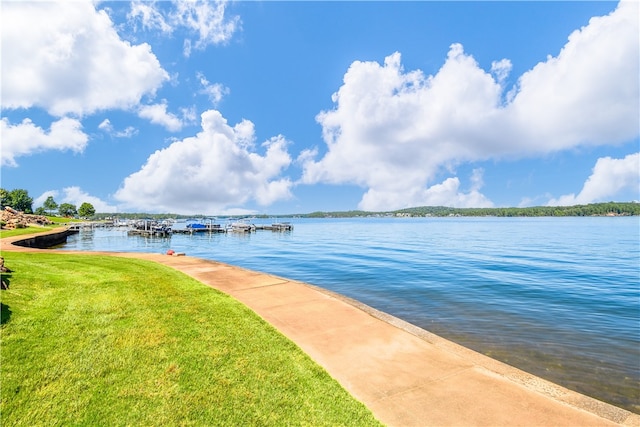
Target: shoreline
392	350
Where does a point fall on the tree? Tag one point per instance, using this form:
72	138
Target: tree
67	210
19	200
50	205
4	198
41	211
86	210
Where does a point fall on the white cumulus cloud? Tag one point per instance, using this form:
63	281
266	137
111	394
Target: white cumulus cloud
107	127
26	138
67	58
446	193
391	131
76	196
214	171
588	94
609	178
158	114
206	20
149	16
215	91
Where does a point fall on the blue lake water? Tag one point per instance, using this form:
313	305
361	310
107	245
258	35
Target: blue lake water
556	297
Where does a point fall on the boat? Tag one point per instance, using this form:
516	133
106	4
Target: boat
200	225
242	225
195	226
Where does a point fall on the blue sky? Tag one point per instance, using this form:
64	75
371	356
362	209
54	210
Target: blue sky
293	107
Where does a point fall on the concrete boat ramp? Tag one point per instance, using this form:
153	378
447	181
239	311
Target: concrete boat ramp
405	375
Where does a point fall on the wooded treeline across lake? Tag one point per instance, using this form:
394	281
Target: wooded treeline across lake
593	209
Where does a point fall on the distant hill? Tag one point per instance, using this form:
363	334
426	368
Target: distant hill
594	209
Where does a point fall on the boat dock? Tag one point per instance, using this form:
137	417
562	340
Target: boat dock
151	228
150	233
206	228
278	226
243	225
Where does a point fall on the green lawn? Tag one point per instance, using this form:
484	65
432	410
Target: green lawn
57	222
63	220
98	340
26	230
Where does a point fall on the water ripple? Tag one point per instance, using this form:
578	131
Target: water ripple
557	297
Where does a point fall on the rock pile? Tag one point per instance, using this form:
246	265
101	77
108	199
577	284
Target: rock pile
3	269
12	218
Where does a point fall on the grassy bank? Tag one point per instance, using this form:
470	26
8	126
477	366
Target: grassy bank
96	340
26	230
57	222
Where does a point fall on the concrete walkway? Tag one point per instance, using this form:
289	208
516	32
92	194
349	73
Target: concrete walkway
405	375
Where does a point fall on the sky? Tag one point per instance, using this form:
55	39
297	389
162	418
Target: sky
281	107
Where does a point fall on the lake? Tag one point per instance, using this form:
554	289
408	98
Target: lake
556	297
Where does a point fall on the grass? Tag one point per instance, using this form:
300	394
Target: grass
57	222
27	230
98	340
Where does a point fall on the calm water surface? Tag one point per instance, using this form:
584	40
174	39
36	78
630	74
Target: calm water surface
556	297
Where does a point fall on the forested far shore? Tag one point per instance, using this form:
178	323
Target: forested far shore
19	200
594	209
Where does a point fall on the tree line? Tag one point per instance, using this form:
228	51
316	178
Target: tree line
20	200
593	209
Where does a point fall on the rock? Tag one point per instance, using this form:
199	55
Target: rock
16	219
4	269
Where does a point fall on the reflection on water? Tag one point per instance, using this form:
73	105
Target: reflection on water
557	297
